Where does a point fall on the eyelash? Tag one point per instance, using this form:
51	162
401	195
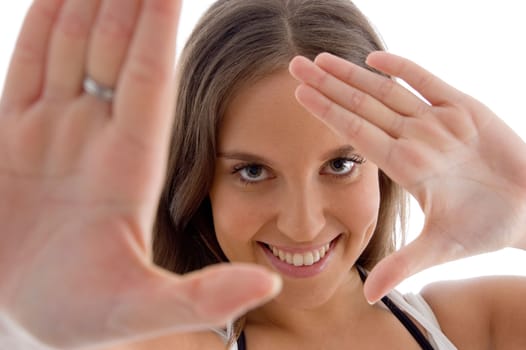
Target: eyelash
240	167
355	159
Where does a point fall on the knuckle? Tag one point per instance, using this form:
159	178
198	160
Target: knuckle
73	25
422	109
432	130
413	159
397	126
161	8
356	100
112	27
385	88
350	73
27	49
323	80
402	68
459	122
353	126
43	10
418	159
391	155
425	81
27	52
348	123
328	109
144	68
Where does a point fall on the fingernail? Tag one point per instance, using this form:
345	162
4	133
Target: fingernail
371	302
277	284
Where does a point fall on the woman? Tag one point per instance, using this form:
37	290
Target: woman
252	178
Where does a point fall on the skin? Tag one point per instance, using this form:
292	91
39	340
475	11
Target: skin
80	181
292	203
298	200
449	152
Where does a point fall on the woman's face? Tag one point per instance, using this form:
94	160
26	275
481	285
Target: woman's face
290	194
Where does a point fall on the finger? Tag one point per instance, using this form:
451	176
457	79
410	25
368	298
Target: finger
25	76
363	135
112	33
68	49
348	97
422	253
399	158
259	286
432	88
145	93
200	300
382	88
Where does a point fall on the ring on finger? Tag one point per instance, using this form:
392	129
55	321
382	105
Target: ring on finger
97	90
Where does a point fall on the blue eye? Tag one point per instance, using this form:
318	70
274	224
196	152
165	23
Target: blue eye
342	166
251	173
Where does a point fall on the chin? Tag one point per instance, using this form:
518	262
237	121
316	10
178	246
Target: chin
312	293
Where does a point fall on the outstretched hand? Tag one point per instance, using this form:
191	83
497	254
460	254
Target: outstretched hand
464	166
80	180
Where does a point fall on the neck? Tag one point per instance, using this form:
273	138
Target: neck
345	307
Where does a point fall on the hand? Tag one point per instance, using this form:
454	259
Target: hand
464	166
80	180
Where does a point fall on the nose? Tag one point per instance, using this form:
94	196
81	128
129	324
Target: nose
301	213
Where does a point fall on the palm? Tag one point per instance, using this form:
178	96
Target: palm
463	165
80	180
66	216
468	182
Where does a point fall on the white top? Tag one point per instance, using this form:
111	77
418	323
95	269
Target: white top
413	305
416	306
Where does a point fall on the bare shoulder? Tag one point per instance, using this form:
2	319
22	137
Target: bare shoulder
180	341
481	313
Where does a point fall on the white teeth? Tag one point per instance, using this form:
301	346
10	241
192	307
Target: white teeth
308	259
298	259
301	259
281	255
316	256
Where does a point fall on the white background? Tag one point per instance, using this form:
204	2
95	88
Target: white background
476	46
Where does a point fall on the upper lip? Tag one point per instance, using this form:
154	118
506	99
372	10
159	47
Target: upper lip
300	249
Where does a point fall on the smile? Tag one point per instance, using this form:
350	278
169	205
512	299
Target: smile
300	259
300	263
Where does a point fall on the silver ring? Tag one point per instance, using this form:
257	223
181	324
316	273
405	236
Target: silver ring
97	90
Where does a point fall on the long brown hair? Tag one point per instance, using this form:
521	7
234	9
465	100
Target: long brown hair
235	43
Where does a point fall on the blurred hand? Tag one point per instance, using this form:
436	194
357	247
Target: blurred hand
80	180
464	166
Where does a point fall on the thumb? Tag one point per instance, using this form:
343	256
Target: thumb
223	292
200	300
418	255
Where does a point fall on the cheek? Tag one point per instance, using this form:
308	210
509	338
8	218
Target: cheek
237	219
359	206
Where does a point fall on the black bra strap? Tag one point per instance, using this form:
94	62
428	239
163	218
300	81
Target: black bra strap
241	341
406	321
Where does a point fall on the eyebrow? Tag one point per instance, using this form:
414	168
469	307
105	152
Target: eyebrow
339	152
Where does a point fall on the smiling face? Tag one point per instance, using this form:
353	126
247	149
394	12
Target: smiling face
290	194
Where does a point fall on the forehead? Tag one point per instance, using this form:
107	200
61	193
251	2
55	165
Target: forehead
266	114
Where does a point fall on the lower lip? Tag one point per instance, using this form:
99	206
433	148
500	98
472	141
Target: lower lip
300	271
